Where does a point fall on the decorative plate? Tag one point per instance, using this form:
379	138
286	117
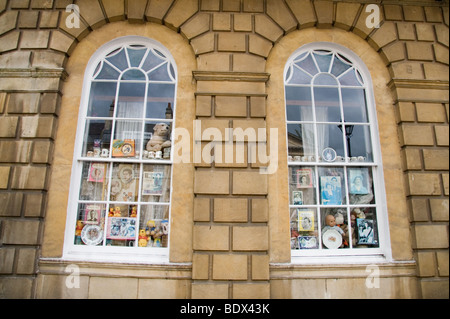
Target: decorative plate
92	235
332	239
329	154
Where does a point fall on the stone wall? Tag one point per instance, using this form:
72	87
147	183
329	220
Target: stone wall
232	238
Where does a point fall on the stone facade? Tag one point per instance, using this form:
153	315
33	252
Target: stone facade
231	236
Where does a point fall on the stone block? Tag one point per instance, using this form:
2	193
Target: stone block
202	209
165	288
21	232
78	33
232	155
243	22
250	238
346	14
431	236
3	100
23	103
15	151
11	204
41	4
221	22
92	13
48	59
248	63
204	44
230	210
425	32
411	159
260	267
386	34
259	46
393	52
16	287
9	21
200	267
26	261
445	183
157	9
280	13
424	184
196	26
110	287
257	106
419	209
20	4
426	264
303	11
28	19
210	5
136	10
433	14
203	107
324	11
180	12
61	42
230	267
249	183
260	210
219	62
253	130
7	258
430	112
413	13
441	53
253	6
231	106
114	9
442	261
406	31
29	177
407	70
211	238
50	103
419	51
213	130
434	71
32	39
251	291
393	12
266	28
442	135
38	126
439	210
42	152
436	159
4	177
33	205
49	19
209	291
212	182
416	135
8	126
232	42
442	34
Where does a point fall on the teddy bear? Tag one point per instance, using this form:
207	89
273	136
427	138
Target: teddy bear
159	139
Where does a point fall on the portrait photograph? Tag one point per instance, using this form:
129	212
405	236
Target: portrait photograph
359	181
304	178
297	197
331	190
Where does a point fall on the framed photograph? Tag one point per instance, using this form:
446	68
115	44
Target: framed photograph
305	220
92	214
331	190
97	172
123	148
152	183
366	232
359	180
121	228
329	154
307	242
305	178
297	198
126	190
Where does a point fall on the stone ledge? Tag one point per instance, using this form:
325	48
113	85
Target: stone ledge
59	73
231	76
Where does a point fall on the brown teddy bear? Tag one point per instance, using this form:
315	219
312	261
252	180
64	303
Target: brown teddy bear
159	139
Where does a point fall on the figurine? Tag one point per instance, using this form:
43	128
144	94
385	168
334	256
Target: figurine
111	212
330	222
133	211
159	138
78	230
117	212
143	238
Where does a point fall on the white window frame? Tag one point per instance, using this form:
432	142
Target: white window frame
109	253
356	255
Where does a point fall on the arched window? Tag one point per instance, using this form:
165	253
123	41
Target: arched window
121	181
335	175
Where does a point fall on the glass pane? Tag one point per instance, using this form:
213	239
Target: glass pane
360	185
94	181
134	75
301	144
97	140
119	59
304	229
332	186
121	225
302	185
355	105
349	79
360	145
107	73
308	65
334	228
154	226
298	104
365	228
157	140
325	79
299	76
136	56
131	100
160	74
152	61
330	136
339	66
90	224
327	105
159	97
156	183
323	60
127	140
101	99
124	183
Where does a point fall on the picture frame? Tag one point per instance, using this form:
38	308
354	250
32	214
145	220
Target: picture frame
297	198
126	191
358	179
331	190
152	183
329	155
123	148
121	228
305	178
92	214
97	172
307	242
305	220
366	232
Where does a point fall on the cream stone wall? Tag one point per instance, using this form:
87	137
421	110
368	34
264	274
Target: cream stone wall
230	229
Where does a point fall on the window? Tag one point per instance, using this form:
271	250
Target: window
335	175
121	183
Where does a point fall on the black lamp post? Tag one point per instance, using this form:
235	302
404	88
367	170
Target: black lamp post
348	135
